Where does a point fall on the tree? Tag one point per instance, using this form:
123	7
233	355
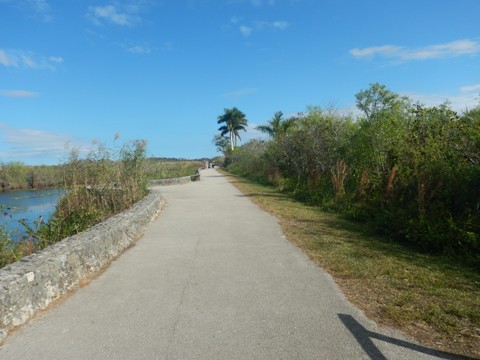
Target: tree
221	142
276	127
471	134
380	142
378	99
234	120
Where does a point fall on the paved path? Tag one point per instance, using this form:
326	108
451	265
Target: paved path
213	278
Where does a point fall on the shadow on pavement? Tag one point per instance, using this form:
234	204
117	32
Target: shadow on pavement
364	338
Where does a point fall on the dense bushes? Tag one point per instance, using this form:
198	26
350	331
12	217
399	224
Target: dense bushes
249	160
410	171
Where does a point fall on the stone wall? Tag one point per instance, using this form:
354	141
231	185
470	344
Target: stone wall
32	283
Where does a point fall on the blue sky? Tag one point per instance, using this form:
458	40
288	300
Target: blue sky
73	72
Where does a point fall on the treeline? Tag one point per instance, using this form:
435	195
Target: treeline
16	175
411	172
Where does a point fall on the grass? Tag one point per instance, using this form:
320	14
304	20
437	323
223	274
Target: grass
433	299
157	169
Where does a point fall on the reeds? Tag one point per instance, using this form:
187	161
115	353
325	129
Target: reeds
105	183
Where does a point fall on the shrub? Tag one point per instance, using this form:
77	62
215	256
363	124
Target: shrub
98	187
408	171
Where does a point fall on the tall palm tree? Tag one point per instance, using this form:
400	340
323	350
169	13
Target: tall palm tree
234	120
276	127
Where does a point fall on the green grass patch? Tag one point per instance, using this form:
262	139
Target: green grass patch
432	298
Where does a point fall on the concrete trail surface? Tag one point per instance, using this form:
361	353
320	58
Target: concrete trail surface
212	278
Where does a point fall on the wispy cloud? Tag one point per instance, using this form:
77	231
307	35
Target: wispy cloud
467	97
39	145
253	133
145	48
27	59
18	93
276	25
138	50
470	88
235	19
403	53
247	30
386	50
281	25
56	59
40	7
114	14
236	94
7	59
168	46
262	2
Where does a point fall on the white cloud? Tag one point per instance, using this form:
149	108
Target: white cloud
470	88
466	98
235	19
56	59
26	59
40	7
402	53
7	59
281	25
263	25
27	144
240	93
245	30
262	2
253	133
112	14
386	50
138	50
18	93
456	48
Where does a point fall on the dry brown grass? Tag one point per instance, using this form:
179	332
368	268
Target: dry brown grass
159	169
433	299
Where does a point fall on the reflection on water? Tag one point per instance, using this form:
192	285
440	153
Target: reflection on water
28	205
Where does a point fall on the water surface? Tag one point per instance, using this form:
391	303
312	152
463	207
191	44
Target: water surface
29	205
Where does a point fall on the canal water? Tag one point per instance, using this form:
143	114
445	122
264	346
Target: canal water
29	205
